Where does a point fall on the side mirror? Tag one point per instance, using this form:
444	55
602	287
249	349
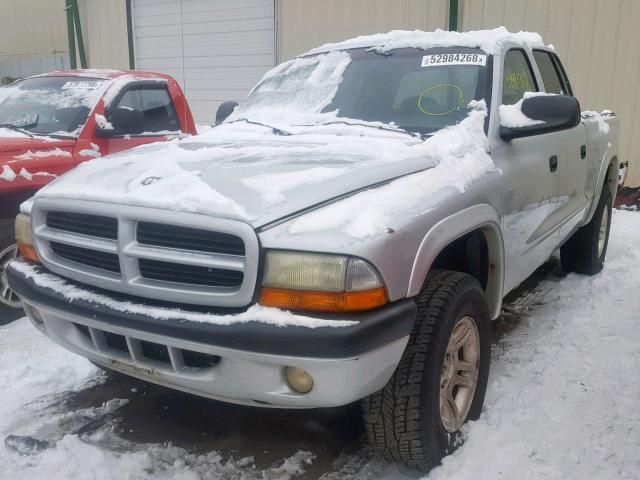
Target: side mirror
124	121
224	110
556	112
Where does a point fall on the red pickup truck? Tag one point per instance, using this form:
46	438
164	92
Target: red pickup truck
53	122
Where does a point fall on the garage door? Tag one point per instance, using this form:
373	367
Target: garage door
216	49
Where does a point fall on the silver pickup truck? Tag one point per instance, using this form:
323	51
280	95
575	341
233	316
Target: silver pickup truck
347	233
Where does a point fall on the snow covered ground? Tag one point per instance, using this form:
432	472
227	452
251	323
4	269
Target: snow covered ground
561	403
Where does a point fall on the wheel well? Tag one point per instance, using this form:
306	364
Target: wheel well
611	177
468	254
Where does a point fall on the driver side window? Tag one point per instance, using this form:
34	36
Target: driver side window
518	77
157	111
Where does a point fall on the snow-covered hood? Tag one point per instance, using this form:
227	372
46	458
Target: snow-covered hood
246	172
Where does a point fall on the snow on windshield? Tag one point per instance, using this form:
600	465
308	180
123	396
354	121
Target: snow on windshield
303	85
50	105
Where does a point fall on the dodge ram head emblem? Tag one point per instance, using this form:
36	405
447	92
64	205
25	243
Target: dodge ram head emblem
150	180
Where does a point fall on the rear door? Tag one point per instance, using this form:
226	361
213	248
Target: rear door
570	148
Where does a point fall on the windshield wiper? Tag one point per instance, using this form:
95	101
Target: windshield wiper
378	127
15	128
275	130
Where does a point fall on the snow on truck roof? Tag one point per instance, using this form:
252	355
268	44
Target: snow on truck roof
103	74
491	41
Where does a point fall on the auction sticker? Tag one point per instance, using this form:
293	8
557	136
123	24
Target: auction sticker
454	59
82	84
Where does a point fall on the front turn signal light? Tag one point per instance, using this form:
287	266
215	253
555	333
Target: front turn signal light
23	237
323	301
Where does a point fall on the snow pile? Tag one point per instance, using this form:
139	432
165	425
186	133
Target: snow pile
56	152
93	152
203	128
304	85
600	118
7	174
256	313
27	175
490	41
15	94
102	121
8	133
273	185
564	387
462	155
172	188
511	116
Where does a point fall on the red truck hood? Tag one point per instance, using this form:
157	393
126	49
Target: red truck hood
31	162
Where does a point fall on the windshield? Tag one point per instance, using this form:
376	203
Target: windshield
416	90
49	105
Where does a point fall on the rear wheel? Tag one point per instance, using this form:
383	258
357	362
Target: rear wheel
441	380
585	251
8	252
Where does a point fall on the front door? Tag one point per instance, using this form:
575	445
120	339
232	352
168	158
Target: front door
530	183
159	119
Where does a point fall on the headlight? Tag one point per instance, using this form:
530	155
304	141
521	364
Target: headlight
318	281
23	237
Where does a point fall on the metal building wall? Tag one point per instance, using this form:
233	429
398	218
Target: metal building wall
104	29
304	24
33	37
597	41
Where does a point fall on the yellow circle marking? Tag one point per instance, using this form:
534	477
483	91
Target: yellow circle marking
440	85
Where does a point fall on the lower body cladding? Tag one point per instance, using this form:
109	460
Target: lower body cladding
233	375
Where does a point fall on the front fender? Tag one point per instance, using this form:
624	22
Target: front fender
447	230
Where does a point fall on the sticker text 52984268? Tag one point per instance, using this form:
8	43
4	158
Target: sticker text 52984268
454	59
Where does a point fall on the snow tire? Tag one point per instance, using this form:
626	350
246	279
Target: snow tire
403	420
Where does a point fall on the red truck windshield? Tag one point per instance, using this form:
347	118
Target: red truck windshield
49	105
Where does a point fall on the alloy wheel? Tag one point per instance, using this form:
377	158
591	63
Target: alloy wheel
459	374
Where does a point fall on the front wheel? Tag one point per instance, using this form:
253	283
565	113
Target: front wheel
441	379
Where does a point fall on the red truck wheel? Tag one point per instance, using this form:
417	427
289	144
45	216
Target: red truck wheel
8	252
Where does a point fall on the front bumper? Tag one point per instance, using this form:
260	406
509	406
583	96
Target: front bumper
238	363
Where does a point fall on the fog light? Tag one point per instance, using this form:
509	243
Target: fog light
298	379
34	316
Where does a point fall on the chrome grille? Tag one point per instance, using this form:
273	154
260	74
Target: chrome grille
85	256
174	272
164	255
84	224
189	239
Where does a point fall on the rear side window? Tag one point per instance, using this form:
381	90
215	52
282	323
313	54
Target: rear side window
553	82
518	77
156	106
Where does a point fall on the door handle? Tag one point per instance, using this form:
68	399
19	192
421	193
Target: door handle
553	163
583	151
